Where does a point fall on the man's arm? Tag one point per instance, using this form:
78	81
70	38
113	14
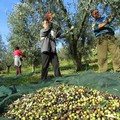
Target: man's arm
109	20
96	26
45	31
102	24
22	54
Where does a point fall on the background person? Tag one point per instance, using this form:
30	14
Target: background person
18	54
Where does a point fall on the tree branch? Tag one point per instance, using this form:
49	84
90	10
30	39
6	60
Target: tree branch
65	13
84	20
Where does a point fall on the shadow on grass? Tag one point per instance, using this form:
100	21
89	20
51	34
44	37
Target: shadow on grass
20	79
67	67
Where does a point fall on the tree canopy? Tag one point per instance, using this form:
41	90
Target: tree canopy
72	16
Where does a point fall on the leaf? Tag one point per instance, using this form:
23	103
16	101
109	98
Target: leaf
103	104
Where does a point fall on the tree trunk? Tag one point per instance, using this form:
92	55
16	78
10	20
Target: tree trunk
8	65
78	62
8	69
76	56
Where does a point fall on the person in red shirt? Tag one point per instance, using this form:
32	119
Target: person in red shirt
18	54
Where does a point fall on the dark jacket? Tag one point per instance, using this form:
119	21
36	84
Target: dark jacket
47	40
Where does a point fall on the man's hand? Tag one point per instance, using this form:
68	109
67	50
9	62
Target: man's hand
51	20
110	18
72	27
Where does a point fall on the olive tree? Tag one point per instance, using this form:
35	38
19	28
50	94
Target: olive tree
24	26
72	17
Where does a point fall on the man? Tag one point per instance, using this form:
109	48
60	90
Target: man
105	41
48	49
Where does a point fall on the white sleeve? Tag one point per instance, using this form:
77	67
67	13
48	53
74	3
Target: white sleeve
93	25
53	34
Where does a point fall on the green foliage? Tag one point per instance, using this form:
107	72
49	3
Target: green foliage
2	54
63	54
26	18
24	26
1	48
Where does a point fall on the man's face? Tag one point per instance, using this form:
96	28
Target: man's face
45	24
96	14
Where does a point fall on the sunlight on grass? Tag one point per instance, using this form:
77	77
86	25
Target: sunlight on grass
27	76
66	68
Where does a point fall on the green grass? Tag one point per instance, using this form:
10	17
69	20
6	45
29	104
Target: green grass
27	76
66	67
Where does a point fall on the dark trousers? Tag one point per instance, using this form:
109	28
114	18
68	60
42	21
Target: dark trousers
46	59
18	70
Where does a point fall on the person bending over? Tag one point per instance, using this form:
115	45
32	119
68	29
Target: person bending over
18	54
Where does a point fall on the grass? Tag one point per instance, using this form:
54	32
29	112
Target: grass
27	76
66	67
